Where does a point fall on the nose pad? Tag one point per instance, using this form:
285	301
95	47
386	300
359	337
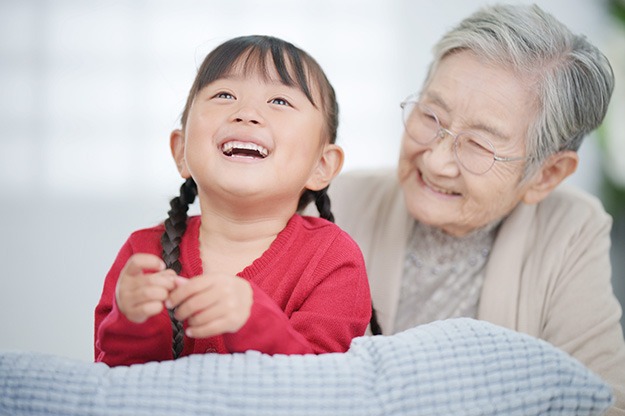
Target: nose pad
440	140
442	133
441	157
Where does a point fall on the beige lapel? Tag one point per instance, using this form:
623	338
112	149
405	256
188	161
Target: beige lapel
387	259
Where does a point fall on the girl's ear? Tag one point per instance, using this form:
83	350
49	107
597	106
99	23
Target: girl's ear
555	169
329	165
176	144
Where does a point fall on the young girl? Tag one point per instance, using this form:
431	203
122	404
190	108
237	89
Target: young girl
256	145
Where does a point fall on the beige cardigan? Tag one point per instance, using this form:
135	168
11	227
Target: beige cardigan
548	274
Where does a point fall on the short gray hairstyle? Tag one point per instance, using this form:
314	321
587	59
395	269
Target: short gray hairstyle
573	79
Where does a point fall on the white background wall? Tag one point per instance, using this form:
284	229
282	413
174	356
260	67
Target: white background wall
89	91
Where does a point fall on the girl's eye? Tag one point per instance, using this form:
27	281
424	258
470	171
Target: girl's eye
224	95
279	101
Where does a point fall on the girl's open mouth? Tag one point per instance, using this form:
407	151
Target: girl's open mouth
244	149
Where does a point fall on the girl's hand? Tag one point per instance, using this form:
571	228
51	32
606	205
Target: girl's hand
143	286
212	304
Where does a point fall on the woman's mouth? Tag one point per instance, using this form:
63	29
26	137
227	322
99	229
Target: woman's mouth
435	188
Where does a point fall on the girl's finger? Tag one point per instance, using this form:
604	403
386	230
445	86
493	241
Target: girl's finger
142	312
140	262
151	293
198	302
207	315
185	290
209	329
164	279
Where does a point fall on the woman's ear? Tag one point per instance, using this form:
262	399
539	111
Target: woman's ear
329	165
553	171
176	144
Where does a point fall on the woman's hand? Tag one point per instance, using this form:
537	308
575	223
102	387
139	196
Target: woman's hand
143	286
212	304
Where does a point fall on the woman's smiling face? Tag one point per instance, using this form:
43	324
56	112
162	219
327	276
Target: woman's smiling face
471	96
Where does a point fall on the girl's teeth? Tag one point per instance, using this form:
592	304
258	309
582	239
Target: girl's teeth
246	148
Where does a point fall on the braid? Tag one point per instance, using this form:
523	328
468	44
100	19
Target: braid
175	226
322	201
376	329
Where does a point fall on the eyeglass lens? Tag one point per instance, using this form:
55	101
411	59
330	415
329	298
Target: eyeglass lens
473	152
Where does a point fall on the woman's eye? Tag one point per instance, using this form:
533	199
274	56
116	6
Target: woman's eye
279	101
475	145
430	117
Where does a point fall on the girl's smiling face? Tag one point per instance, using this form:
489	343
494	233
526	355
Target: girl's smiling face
250	135
468	95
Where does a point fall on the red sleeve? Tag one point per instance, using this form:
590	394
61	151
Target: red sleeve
121	342
335	307
267	330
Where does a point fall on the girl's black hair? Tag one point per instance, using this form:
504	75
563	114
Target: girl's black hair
251	54
376	329
175	226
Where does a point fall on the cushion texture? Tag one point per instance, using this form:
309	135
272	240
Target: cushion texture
458	366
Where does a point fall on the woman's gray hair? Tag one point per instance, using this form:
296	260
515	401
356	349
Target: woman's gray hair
573	79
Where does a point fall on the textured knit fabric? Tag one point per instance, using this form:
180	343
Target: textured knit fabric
548	273
442	275
455	367
310	294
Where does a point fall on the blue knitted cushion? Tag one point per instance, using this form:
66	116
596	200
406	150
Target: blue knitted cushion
453	367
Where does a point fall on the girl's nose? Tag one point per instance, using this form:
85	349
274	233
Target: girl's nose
247	114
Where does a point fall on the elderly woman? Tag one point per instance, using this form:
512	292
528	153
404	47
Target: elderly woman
474	223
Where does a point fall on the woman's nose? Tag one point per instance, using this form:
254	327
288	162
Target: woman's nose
440	155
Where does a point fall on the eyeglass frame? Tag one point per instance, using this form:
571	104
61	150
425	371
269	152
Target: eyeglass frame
443	131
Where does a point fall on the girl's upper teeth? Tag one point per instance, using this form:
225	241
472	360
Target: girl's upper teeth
230	146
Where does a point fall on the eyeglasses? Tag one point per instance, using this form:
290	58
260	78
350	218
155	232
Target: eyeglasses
473	152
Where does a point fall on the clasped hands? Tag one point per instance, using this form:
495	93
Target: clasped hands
211	304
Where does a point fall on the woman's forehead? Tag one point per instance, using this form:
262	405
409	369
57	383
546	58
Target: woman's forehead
492	97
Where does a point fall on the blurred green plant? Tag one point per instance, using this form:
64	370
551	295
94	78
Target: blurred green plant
612	132
617	9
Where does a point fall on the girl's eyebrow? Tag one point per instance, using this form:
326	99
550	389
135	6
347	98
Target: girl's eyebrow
480	125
